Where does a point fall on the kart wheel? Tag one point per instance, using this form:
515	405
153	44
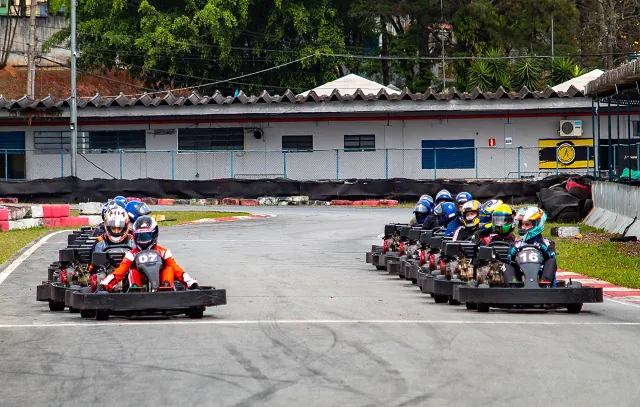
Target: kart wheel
441	299
453	302
56	306
574	308
482	307
414	281
381	267
87	314
102	315
432	294
196	313
73	310
471	305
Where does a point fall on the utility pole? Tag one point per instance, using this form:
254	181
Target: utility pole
73	119
444	68
31	54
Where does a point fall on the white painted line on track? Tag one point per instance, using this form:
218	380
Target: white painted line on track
152	323
624	303
24	256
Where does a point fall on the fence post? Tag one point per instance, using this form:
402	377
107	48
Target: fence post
232	164
62	163
173	165
284	163
6	165
519	149
557	152
337	164
435	166
476	160
386	163
637	157
587	170
120	164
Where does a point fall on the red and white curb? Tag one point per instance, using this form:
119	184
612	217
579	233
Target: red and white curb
608	289
228	219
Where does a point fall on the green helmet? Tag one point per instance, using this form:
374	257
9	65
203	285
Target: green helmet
502	220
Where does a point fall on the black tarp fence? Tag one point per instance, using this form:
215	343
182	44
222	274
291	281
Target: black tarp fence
73	190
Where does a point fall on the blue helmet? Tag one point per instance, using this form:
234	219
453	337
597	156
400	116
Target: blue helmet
530	221
120	200
421	211
427	198
443	196
446	212
105	208
461	199
135	209
429	205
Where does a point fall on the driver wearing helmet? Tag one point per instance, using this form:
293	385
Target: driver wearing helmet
145	235
135	209
420	213
486	210
470	219
446	215
499	229
530	221
443	196
121	201
116	231
461	199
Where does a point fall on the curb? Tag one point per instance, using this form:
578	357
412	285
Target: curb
227	219
608	289
300	200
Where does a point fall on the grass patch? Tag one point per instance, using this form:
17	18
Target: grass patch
177	217
14	240
597	257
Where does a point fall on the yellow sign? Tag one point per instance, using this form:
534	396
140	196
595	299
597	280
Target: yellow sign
566	153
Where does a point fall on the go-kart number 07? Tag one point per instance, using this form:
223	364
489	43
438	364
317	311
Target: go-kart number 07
148	258
528	256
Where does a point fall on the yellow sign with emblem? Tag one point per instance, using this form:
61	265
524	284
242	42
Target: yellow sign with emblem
566	153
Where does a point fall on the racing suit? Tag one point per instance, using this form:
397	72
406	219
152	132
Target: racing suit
453	226
415	222
98	230
463	233
430	223
549	265
170	272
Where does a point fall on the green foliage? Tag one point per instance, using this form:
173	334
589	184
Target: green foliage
564	69
527	72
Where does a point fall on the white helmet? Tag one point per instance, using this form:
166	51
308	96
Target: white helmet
116	224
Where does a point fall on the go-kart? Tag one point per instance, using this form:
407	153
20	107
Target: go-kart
435	266
390	245
408	250
458	269
529	291
150	298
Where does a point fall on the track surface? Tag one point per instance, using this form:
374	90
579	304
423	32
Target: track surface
381	342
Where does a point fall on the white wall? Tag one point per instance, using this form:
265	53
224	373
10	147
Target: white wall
263	161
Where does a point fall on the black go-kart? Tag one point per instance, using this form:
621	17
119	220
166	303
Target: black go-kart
409	253
528	291
379	256
151	298
458	260
435	265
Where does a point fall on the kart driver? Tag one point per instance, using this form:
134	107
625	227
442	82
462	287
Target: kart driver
116	231
500	229
470	219
446	215
420	213
145	235
530	221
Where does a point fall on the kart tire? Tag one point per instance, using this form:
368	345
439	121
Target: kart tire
196	313
102	315
73	310
471	306
441	299
56	306
381	267
574	308
414	281
454	302
482	307
86	314
432	294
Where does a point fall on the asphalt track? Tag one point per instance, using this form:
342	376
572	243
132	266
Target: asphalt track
309	323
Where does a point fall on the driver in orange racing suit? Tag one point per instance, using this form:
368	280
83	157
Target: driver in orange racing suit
145	235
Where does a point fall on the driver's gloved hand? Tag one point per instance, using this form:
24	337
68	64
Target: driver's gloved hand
101	289
194	286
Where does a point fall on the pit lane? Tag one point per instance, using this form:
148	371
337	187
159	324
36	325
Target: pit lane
308	321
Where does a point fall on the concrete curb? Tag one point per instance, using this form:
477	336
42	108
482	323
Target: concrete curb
608	289
266	201
228	219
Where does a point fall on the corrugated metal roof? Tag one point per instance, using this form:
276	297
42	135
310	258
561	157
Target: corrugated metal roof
612	81
170	99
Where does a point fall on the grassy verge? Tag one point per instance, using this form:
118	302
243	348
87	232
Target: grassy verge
11	242
177	217
596	256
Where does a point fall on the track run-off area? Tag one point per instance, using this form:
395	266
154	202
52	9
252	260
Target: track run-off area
308	322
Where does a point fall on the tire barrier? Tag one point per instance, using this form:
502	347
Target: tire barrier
567	201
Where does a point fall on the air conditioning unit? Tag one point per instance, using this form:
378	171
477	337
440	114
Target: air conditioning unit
570	128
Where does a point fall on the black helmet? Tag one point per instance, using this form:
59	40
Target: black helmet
145	232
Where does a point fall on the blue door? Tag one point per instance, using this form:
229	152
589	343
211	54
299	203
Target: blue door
449	154
12	155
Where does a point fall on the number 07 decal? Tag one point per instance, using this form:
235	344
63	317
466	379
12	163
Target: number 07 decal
146	258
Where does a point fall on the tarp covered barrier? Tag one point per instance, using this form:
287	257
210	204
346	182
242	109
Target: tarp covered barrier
568	201
69	189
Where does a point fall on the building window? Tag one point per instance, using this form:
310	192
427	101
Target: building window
12	155
211	139
51	142
448	154
360	142
297	143
117	140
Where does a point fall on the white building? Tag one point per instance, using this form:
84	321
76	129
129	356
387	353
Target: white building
362	135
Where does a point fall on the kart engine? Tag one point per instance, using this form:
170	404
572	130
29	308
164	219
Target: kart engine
491	273
80	275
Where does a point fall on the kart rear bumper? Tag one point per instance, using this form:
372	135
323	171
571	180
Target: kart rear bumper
527	296
51	291
157	301
369	256
446	287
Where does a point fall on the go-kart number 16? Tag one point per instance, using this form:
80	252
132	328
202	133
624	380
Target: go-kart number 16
528	256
